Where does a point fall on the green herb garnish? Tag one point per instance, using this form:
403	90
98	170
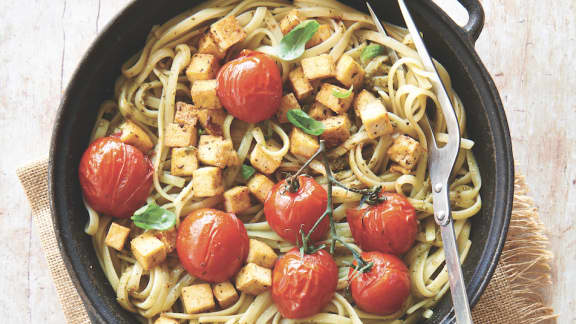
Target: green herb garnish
343	94
154	217
293	44
370	52
306	123
247	171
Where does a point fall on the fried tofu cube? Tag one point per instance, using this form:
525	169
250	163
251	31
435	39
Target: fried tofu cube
148	250
207	182
168	237
254	279
184	161
303	144
134	135
300	84
227	32
204	94
373	114
326	97
291	20
349	72
405	151
166	320
261	254
237	199
185	113
212	120
287	103
319	112
336	130
117	235
198	298
320	36
217	151
225	294
260	185
319	67
202	67
263	161
207	45
396	168
180	135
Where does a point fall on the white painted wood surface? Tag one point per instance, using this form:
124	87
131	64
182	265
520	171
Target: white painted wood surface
527	45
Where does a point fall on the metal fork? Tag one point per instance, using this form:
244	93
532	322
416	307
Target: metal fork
440	164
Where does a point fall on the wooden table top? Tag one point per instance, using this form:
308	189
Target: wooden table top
527	45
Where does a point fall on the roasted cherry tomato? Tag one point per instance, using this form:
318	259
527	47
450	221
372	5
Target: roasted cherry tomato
303	284
287	212
384	288
250	86
116	178
212	245
389	226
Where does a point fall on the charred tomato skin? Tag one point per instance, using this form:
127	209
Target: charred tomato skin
303	284
384	288
116	178
389	227
212	245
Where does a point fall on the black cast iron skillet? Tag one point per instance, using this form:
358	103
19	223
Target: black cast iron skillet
94	79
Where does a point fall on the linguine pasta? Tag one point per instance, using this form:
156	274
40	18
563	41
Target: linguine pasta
153	80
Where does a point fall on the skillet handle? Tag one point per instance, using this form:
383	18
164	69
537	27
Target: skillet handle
475	18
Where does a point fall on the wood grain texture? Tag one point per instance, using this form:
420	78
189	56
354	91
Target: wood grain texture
527	45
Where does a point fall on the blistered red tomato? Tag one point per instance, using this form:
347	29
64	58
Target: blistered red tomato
303	284
388	227
212	245
384	288
250	86
116	178
289	212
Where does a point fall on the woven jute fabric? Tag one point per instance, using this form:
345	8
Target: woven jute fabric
513	295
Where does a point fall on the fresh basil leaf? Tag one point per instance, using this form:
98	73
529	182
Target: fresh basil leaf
247	171
370	52
293	45
343	94
154	217
306	123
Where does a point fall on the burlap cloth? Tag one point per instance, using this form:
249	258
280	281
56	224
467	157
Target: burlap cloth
513	295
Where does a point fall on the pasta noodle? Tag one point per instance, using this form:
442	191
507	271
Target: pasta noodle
153	80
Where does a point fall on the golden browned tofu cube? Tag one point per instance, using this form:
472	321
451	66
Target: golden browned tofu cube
320	36
117	235
373	114
349	72
207	45
202	67
396	168
405	151
212	120
300	84
254	279
166	320
185	114
204	94
225	294
263	161
168	237
336	130
207	182
237	199
184	161
260	185
217	151
326	97
261	254
290	21
303	144
319	112
198	298
180	135
148	250
319	67
287	103
227	32
134	135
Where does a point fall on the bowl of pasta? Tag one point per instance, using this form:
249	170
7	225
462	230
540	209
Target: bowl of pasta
242	161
